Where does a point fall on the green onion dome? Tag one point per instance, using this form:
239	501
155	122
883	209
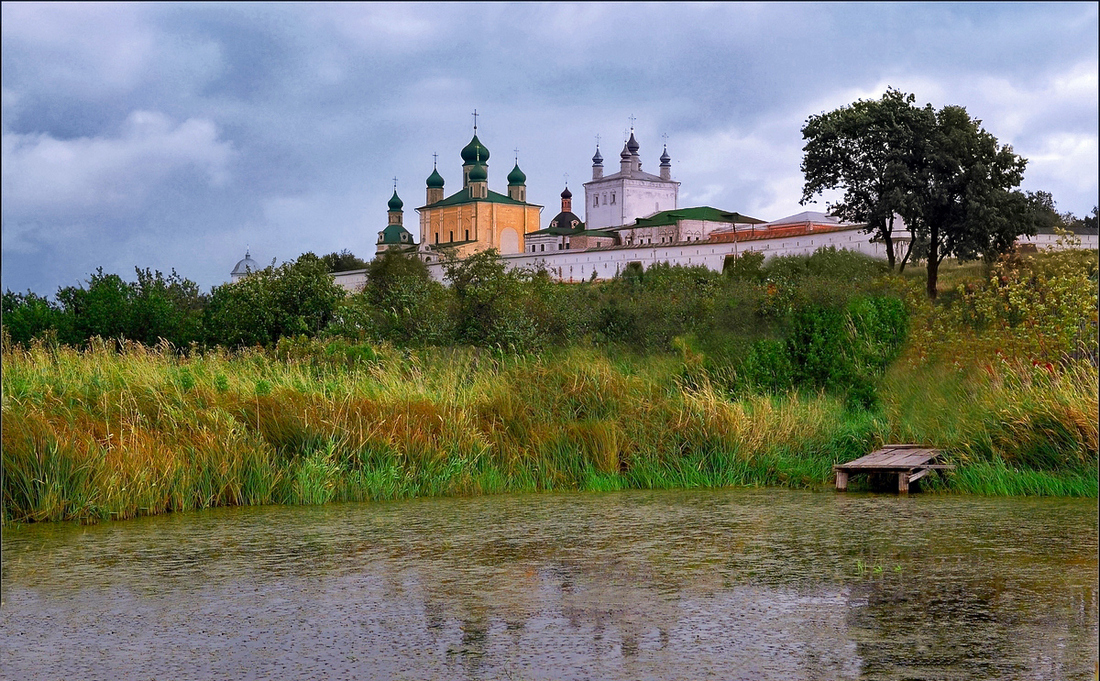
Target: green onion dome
395	201
474	152
516	177
478	173
435	180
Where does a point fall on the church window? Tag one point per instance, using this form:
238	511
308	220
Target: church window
451	235
612	198
596	200
437	237
467	235
542	247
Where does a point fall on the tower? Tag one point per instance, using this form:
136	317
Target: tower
395	236
434	186
623	197
597	164
517	184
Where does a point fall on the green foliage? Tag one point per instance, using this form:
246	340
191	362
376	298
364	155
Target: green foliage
27	316
298	298
949	179
747	266
489	307
1040	308
165	308
400	303
874	151
343	261
103	309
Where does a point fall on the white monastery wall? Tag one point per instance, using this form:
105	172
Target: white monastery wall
607	262
1051	240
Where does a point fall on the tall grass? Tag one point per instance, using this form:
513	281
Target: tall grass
103	434
119	431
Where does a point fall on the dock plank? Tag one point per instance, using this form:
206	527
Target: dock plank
910	462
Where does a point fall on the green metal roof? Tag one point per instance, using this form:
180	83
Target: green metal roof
671	217
392	235
463	196
435	180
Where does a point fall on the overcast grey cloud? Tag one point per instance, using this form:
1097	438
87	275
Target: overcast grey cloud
173	136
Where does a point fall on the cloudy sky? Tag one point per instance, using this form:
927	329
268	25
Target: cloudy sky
175	136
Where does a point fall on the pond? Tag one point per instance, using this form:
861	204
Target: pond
695	584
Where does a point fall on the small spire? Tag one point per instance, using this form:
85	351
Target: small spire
516	150
475	121
435	161
395	184
632	119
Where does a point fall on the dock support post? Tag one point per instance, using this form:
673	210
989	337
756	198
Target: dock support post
903	483
841	481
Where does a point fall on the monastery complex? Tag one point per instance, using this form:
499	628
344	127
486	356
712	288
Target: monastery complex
630	216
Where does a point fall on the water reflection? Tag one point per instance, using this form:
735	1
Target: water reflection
635	585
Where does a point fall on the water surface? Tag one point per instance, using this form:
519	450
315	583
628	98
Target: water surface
726	584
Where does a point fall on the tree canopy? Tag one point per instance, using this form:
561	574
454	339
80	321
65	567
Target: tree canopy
951	181
874	151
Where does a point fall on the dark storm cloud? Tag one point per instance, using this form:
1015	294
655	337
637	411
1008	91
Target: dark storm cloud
175	135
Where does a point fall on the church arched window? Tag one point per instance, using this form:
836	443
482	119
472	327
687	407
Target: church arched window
613	198
596	200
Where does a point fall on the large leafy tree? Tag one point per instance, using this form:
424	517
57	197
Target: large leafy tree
28	315
296	298
873	150
951	181
970	208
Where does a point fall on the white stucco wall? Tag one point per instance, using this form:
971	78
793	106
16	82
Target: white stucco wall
634	198
352	280
607	262
1051	240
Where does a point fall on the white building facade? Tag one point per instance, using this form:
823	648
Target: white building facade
631	193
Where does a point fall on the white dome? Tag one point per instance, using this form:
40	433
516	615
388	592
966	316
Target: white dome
245	266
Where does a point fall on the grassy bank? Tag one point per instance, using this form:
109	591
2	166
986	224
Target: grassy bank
100	434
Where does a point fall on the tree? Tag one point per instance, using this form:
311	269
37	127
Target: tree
293	299
343	261
969	208
27	316
169	308
1044	213
488	302
103	309
407	306
874	151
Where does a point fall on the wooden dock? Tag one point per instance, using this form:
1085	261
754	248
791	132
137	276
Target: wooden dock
910	462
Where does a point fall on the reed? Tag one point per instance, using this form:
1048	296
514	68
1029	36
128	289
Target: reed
120	431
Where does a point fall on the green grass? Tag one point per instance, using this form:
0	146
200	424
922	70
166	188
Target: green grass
98	434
